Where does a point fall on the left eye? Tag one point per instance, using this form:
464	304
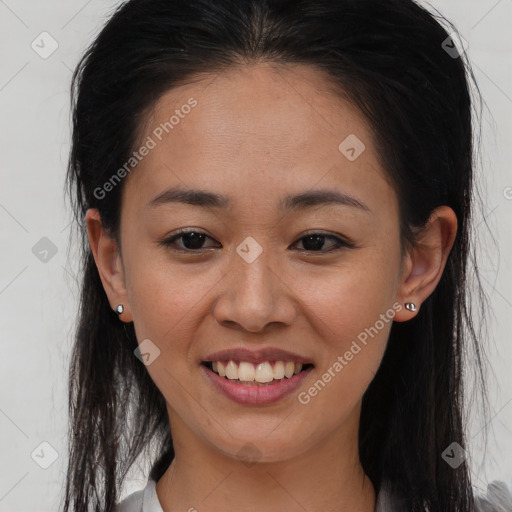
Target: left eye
193	241
314	242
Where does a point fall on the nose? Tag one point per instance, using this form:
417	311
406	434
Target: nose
254	295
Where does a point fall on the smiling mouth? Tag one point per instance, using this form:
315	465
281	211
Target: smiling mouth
256	374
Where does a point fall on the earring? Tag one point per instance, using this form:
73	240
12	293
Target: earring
119	309
410	306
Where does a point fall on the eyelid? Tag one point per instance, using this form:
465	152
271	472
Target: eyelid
168	241
321	232
343	242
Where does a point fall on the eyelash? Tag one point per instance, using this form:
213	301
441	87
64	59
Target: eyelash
170	242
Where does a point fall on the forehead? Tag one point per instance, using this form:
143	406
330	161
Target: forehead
256	129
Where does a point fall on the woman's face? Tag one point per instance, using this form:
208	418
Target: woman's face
264	138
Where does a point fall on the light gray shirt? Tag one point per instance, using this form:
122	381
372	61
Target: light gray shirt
497	499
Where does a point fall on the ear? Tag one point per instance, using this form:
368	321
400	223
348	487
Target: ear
109	263
425	262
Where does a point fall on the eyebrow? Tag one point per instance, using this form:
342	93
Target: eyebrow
305	200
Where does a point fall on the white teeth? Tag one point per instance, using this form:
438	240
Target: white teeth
279	370
232	370
262	373
289	367
246	372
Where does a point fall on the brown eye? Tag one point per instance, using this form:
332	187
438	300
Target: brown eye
190	241
194	240
316	242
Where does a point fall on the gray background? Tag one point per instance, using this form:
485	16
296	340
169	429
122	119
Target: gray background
38	299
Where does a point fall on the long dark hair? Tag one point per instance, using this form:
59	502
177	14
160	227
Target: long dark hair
395	62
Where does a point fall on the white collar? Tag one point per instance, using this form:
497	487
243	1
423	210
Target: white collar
146	500
498	498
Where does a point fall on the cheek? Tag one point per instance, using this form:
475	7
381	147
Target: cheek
165	302
352	320
352	314
163	295
350	297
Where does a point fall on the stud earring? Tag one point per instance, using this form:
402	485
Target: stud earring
410	306
119	309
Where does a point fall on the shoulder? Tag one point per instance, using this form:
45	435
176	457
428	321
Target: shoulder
145	500
498	498
132	503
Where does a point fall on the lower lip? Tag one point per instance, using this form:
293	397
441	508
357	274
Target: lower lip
256	395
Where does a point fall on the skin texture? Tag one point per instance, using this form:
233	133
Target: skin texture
257	134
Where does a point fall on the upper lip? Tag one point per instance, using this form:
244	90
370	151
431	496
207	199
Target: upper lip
256	356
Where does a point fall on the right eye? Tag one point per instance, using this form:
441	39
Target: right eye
192	240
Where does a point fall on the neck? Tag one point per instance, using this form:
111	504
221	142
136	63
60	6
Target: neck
324	478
